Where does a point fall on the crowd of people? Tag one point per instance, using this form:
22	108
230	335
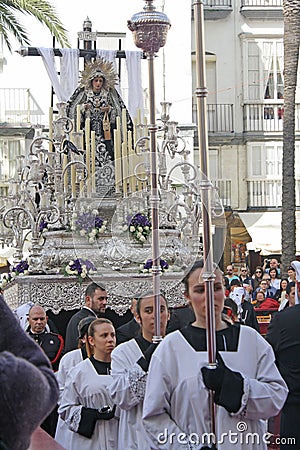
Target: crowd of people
118	390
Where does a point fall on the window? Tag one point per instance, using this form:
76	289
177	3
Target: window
264	69
265	160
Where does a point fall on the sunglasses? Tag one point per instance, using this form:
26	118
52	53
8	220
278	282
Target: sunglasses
258	271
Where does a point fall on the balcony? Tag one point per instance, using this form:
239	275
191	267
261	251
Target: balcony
262	9
18	108
223	188
267	193
219	118
267	118
216	9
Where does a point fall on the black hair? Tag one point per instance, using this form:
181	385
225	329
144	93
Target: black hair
92	287
235	282
144	295
283	279
289	287
274	268
197	265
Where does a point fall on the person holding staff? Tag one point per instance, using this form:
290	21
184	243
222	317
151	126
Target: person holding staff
247	387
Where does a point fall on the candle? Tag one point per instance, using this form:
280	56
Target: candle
93	160
87	130
73	180
118	170
78	117
125	168
65	162
124	125
50	128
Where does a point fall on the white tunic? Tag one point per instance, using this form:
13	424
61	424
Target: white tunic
67	362
176	399
127	391
86	388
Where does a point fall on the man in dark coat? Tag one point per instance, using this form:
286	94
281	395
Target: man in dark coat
28	388
51	343
284	336
95	306
130	329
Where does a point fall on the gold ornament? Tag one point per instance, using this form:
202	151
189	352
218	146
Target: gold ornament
99	68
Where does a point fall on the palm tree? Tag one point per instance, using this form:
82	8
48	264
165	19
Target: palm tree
41	10
291	18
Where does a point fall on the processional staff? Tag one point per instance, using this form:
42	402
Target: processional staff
206	188
150	29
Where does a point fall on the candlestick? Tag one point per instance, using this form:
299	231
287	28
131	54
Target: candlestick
65	162
93	160
78	118
87	130
50	128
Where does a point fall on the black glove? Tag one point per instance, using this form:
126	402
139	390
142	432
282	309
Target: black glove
144	361
227	385
89	417
106	413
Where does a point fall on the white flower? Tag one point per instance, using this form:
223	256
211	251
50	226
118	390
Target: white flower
142	238
146	228
93	232
82	232
102	229
74	215
73	228
138	235
71	263
104	223
132	229
140	229
91	240
95	212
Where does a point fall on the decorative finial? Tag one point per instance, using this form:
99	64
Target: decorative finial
149	28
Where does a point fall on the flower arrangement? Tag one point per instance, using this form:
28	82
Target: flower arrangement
79	267
146	268
20	269
88	224
139	226
6	279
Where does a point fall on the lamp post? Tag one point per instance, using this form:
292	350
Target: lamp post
150	29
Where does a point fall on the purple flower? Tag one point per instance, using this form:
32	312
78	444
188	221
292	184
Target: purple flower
163	264
21	267
138	220
43	225
88	222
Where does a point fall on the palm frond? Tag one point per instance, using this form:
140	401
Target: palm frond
45	13
41	10
10	25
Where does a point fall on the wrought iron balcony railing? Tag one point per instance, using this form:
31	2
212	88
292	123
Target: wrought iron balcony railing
219	118
262	3
267	193
18	108
267	117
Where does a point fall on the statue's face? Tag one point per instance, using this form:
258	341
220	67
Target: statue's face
97	84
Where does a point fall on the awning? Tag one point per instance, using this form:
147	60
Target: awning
265	231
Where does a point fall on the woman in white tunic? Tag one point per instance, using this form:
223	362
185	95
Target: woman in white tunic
248	388
130	362
66	364
86	406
